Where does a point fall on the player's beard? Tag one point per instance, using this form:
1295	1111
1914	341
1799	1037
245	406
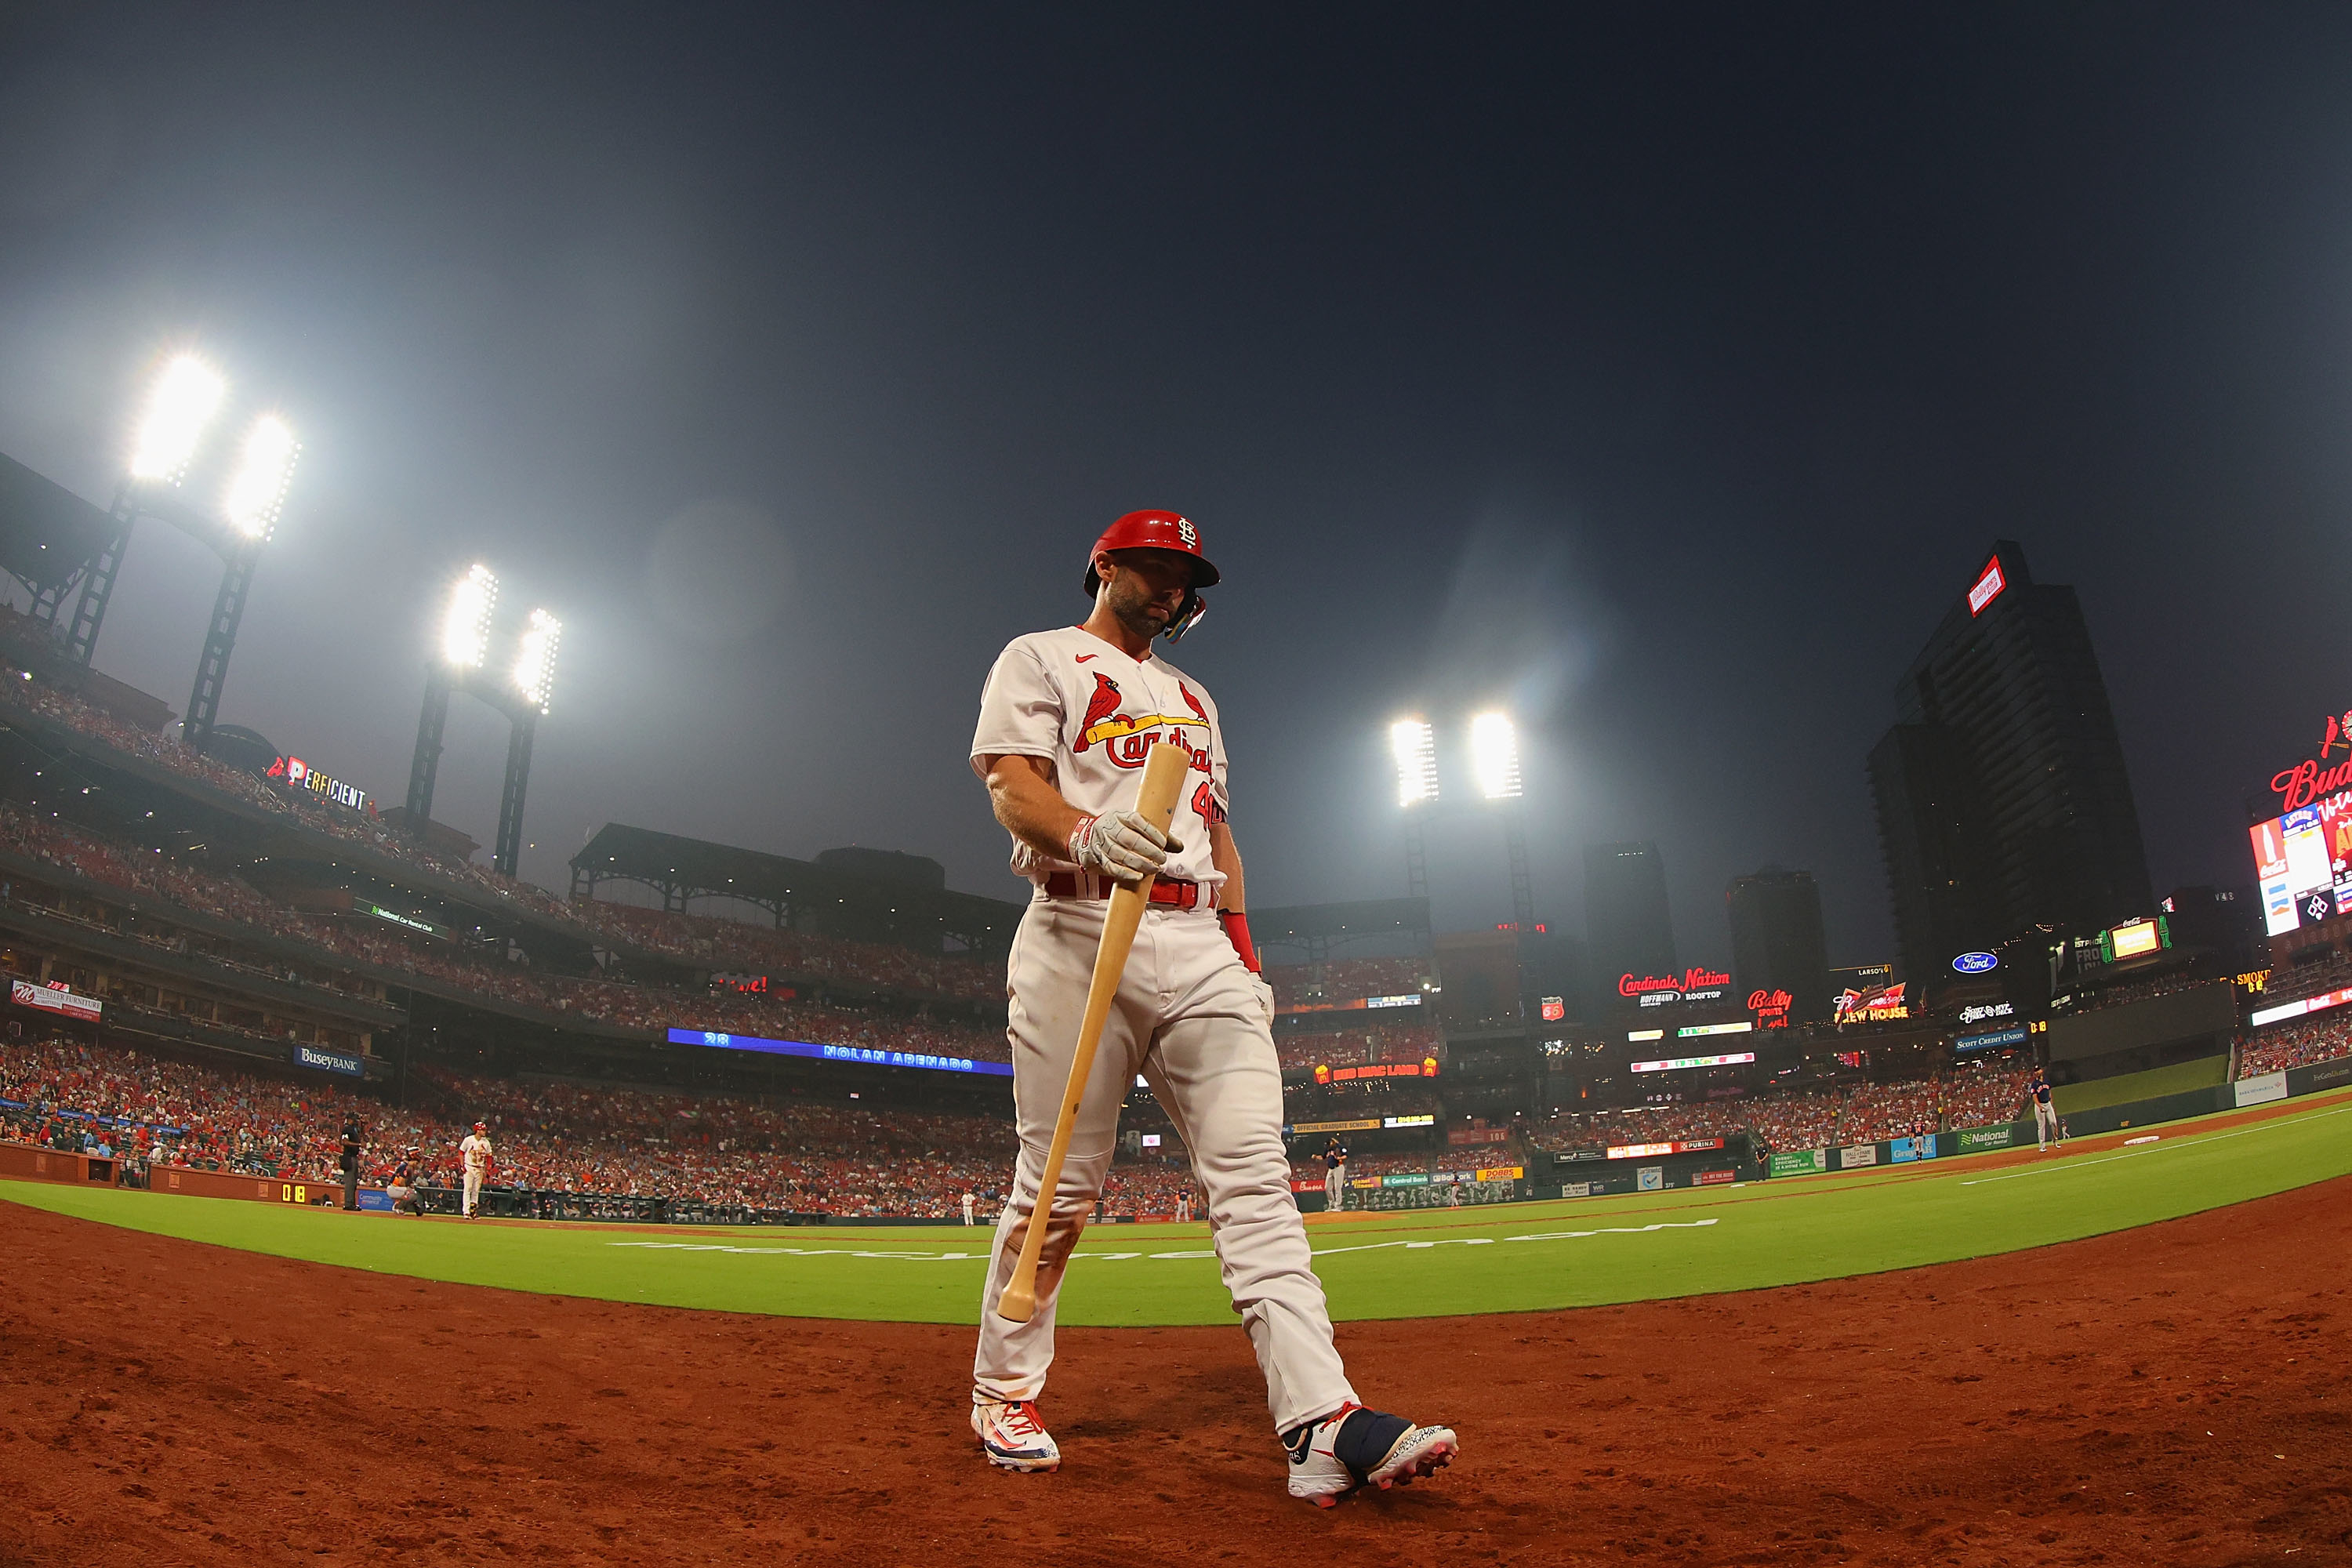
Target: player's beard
1131	605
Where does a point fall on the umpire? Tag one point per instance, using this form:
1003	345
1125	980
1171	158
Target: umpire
352	1163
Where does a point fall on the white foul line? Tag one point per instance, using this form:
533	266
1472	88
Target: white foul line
1117	1257
2195	1141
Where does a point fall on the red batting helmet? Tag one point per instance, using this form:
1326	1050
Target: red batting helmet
1159	530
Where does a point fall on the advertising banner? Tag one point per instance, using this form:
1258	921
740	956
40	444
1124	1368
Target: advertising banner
1502	1174
1799	1161
1459	1137
329	1061
1371	1124
2262	1089
1680	1146
838	1053
1406	1179
1576	1189
54	999
2319	1076
1653	1178
1714	1178
1989	1039
1975	1138
1903	1151
1857	1155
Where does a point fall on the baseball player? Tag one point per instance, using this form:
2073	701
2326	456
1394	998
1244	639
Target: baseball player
473	1153
1066	721
1184	1206
2045	1113
1335	1175
970	1204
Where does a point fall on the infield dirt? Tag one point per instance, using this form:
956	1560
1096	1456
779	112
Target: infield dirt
2176	1394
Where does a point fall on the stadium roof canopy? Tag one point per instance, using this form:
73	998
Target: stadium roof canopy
46	533
835	899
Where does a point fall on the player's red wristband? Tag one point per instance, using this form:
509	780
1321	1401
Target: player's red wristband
1238	932
1078	838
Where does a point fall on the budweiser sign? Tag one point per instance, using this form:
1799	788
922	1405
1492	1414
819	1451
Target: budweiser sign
2304	783
1874	1005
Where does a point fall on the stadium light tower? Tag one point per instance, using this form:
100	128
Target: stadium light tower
1494	758
460	662
1415	745
181	406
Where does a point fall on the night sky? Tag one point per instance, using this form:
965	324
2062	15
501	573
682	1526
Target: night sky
1661	377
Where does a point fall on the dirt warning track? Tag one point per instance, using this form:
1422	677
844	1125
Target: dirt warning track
2175	1394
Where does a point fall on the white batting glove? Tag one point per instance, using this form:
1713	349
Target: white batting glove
1121	844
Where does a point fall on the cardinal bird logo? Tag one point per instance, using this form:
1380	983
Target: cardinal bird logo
1192	702
1100	707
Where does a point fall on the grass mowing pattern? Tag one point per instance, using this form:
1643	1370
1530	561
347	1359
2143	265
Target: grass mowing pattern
1424	1263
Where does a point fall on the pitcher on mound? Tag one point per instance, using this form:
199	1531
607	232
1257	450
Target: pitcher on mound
1066	721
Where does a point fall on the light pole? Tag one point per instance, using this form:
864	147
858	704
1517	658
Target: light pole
460	664
182	403
1494	758
1414	746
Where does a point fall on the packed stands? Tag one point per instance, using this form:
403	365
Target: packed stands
75	851
1353	1048
1346	979
771	1153
720	943
1857	1113
2299	1044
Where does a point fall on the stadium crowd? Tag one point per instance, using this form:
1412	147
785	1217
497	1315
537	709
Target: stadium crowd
1854	1113
771	1153
2299	1044
725	944
1345	980
73	850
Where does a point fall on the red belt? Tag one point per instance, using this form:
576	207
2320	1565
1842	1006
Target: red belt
1169	891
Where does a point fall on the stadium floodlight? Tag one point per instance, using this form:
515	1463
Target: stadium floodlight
466	629
1415	745
1494	755
184	399
258	490
534	673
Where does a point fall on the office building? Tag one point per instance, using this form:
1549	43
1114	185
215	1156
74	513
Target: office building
1777	946
1628	931
2002	794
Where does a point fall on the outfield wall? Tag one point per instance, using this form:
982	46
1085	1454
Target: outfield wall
2258	1090
29	1161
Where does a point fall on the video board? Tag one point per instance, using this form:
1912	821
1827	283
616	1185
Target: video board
2299	862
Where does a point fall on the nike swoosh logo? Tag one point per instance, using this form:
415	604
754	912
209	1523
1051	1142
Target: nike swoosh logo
1083	657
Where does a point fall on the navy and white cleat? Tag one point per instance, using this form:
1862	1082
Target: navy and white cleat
1354	1446
1012	1435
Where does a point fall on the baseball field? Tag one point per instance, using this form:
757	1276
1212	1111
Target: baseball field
2131	1352
1411	1264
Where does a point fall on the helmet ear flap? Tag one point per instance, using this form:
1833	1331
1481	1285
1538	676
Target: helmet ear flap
1188	616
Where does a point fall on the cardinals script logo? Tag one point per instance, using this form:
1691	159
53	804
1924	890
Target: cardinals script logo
1127	741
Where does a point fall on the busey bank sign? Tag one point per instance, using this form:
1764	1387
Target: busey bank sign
330	1061
1976	964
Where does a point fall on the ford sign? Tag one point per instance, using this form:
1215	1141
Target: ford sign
1975	963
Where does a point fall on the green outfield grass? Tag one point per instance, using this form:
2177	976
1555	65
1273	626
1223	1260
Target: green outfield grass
2205	1073
1423	1263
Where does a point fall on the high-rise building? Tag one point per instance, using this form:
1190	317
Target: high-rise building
2002	794
1628	930
1777	945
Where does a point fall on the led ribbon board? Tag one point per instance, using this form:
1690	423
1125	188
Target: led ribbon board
864	1054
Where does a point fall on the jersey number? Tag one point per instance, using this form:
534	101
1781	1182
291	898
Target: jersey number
1205	806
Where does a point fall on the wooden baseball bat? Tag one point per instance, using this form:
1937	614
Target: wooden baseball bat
1163	782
